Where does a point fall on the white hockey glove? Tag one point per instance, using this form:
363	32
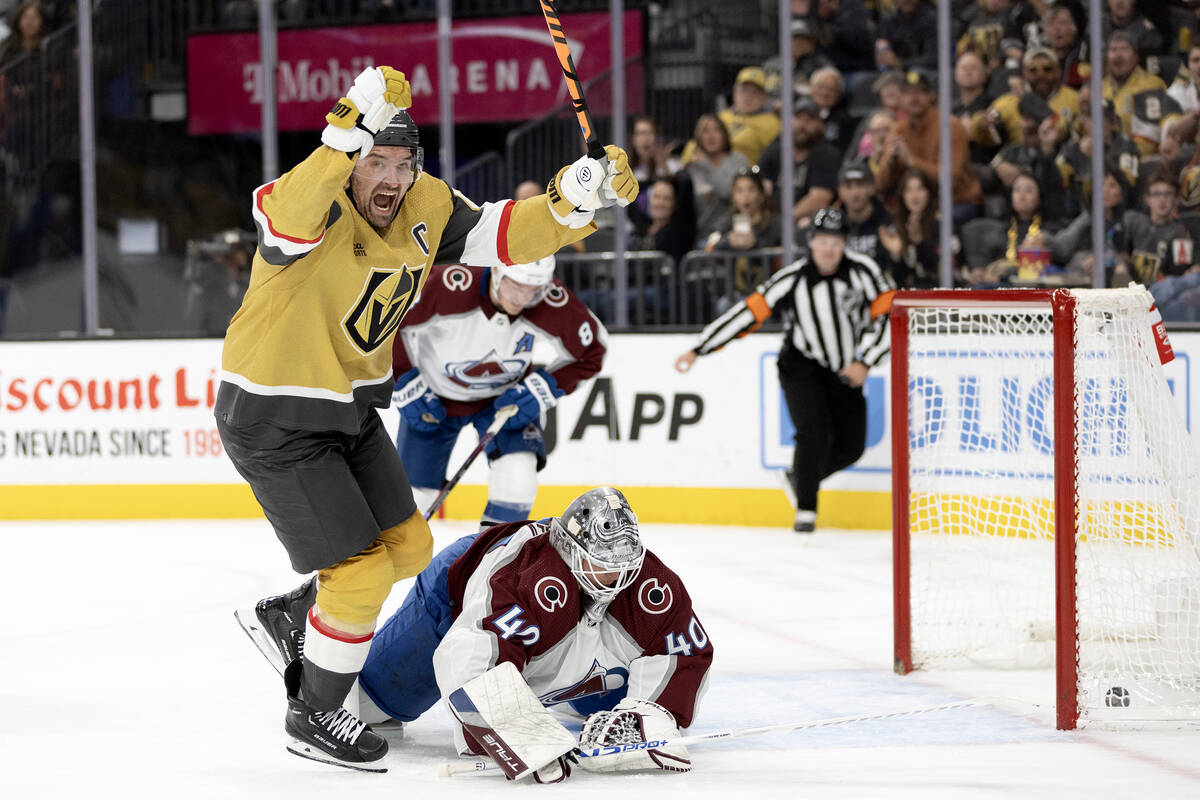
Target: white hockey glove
631	722
374	98
573	194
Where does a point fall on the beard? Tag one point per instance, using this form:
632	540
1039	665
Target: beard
809	140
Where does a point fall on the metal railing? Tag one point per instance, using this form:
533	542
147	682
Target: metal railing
40	107
651	291
484	178
662	293
709	283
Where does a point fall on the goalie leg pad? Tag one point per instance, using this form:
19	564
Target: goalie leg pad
501	713
632	722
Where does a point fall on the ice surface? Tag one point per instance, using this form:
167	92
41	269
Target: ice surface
124	674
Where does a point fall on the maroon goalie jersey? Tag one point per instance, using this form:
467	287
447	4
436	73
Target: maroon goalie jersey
470	352
515	599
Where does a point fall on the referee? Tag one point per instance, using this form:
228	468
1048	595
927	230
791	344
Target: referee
834	305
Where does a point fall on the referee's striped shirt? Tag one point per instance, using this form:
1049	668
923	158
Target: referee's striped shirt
828	319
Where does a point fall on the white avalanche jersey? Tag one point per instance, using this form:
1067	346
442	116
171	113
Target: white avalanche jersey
516	600
469	352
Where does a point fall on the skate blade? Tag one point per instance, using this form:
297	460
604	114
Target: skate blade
249	623
392	729
299	748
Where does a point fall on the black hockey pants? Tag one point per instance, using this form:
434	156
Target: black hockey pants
830	418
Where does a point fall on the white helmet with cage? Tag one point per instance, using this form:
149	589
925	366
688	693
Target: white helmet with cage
597	536
537	274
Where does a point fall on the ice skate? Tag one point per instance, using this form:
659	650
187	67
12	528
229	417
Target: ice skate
276	624
805	522
334	737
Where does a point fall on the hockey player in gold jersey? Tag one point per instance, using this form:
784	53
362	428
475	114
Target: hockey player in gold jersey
345	242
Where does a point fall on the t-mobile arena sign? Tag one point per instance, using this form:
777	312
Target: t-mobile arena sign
503	70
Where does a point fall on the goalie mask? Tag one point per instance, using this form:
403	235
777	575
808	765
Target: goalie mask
527	283
598	537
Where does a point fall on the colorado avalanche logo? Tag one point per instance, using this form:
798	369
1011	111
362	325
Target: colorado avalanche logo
551	593
456	278
654	597
600	680
489	372
555	296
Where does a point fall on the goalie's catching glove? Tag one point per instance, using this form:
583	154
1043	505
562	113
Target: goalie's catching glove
419	406
632	721
539	392
374	98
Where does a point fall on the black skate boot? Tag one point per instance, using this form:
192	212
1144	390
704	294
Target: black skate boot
332	737
276	625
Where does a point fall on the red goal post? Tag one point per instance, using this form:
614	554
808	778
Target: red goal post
1044	500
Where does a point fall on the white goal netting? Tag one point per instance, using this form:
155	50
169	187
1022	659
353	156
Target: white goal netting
982	510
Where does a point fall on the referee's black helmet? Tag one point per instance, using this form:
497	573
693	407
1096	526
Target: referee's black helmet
829	220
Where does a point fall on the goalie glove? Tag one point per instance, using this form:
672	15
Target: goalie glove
630	722
374	98
419	406
536	394
501	714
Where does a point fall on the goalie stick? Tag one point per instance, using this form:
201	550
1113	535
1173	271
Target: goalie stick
481	767
574	86
497	423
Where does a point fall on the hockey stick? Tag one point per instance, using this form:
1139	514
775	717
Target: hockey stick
481	767
574	86
497	423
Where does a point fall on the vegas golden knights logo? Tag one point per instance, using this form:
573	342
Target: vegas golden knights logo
385	300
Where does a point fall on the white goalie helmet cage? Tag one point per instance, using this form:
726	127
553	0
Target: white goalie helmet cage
597	535
538	273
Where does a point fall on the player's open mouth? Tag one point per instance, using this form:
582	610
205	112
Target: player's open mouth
384	201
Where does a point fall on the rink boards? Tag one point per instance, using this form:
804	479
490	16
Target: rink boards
124	429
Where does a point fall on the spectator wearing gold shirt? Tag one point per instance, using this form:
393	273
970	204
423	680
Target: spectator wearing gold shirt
751	125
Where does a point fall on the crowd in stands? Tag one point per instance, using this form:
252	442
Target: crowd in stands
24	23
866	136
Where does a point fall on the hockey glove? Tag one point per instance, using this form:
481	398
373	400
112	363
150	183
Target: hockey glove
631	722
532	396
419	407
620	187
573	192
374	98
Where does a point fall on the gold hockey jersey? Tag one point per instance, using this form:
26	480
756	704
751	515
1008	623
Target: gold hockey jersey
311	346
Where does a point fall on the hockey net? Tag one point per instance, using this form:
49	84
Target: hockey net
1035	527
